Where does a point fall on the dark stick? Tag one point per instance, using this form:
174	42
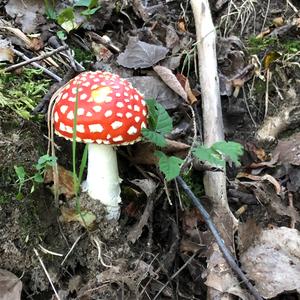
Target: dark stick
227	254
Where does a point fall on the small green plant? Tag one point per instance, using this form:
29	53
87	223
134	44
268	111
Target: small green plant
66	18
43	163
160	123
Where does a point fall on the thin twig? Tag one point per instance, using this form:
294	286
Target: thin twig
36	65
174	275
71	249
46	272
227	254
34	59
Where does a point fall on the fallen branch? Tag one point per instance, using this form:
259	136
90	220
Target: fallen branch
36	65
34	59
227	254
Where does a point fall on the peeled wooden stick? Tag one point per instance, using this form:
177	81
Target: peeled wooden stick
220	276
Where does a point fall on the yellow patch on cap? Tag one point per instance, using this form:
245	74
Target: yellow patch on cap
99	95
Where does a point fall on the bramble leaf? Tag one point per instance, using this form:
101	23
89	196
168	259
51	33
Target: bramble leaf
164	121
231	150
154	137
169	165
159	123
209	155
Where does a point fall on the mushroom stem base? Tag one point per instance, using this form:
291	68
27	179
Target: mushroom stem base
103	182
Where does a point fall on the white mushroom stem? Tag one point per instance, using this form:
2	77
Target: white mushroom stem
103	182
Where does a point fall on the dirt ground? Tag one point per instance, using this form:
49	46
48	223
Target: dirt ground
158	249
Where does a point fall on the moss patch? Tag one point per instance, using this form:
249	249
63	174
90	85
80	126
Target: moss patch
21	93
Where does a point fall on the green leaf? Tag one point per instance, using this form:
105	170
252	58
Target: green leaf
169	165
66	19
50	11
19	196
45	161
38	178
164	121
209	155
154	137
158	118
230	150
89	12
86	3
21	173
159	123
61	35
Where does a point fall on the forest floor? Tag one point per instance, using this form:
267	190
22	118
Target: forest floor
159	247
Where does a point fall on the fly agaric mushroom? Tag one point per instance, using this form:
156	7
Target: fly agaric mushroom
110	112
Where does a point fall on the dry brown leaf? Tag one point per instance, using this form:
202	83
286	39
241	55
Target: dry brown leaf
267	177
139	54
137	229
273	261
288	150
34	44
10	286
84	217
6	54
65	181
102	53
171	81
181	25
279	21
186	85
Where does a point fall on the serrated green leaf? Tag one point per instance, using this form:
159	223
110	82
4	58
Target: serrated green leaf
169	165
209	155
231	150
154	137
164	121
152	113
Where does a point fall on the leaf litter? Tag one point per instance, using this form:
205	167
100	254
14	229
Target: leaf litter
153	58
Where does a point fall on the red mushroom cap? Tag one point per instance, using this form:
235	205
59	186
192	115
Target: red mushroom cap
110	110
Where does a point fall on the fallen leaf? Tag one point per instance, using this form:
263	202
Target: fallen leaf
153	88
265	194
273	261
137	229
279	21
181	25
65	181
10	286
269	58
139	54
170	80
186	85
6	51
172	38
28	13
85	218
148	186
101	52
288	150
267	177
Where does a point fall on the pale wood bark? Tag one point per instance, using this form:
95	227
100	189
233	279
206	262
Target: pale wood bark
220	278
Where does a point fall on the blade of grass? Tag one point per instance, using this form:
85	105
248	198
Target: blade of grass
83	163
